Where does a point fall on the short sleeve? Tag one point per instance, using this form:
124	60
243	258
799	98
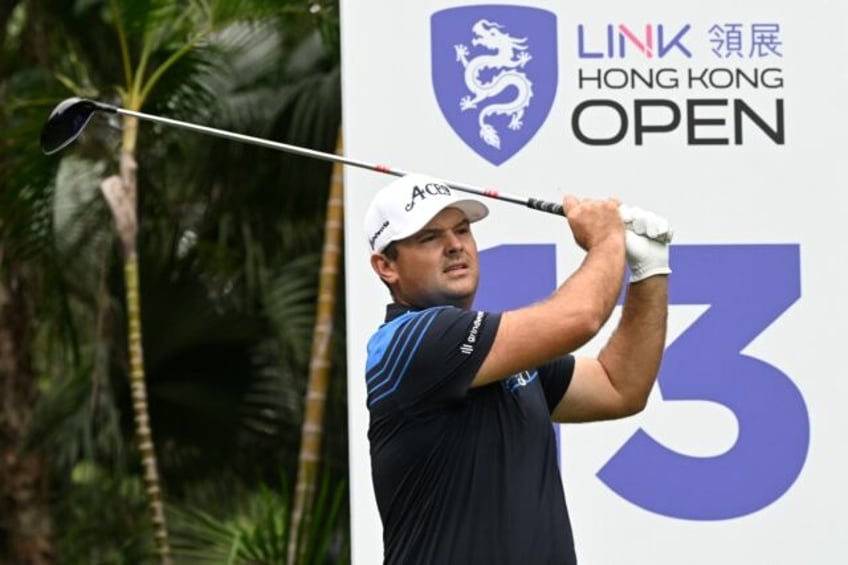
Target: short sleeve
431	356
555	377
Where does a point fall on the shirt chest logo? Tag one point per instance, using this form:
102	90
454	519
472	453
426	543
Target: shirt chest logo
518	381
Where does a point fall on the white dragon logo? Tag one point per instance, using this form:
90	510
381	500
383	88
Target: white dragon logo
510	54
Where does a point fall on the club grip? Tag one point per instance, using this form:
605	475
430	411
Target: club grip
545	206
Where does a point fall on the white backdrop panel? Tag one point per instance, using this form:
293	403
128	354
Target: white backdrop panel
742	458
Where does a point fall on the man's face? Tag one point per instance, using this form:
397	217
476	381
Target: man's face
438	265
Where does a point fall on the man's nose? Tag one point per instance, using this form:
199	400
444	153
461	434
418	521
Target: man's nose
454	243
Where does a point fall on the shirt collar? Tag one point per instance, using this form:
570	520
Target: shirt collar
395	310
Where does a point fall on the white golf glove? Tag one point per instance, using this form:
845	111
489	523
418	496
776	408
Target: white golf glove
646	242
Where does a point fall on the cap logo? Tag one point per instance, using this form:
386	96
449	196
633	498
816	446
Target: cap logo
430	188
377	233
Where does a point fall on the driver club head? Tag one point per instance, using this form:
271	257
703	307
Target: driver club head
67	121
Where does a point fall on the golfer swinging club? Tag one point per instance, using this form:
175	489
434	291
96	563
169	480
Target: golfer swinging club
461	402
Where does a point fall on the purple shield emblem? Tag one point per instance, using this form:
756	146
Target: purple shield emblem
495	74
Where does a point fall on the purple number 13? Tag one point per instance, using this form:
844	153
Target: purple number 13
747	287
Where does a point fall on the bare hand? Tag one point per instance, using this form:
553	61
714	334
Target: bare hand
593	221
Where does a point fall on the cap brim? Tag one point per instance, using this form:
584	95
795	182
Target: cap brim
474	210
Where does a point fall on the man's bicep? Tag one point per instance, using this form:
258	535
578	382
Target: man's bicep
590	395
533	336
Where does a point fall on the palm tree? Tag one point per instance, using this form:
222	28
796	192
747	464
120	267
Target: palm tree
271	253
312	430
172	32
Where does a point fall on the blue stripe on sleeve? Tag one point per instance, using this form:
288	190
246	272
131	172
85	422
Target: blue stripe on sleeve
396	338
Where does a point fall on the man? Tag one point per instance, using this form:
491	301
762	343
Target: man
461	402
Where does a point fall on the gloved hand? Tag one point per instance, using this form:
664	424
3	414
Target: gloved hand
646	242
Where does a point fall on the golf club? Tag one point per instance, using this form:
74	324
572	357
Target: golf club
68	120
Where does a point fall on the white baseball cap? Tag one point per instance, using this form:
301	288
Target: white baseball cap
403	207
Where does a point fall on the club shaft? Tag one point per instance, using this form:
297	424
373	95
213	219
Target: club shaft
532	203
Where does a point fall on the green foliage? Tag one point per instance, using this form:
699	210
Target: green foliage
229	242
25	211
259	533
102	519
79	424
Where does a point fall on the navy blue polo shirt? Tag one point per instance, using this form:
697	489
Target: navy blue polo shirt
463	475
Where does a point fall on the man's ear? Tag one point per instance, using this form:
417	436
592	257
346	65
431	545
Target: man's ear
384	267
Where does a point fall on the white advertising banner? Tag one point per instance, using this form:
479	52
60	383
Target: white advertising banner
726	117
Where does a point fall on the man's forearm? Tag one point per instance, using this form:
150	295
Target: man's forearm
633	353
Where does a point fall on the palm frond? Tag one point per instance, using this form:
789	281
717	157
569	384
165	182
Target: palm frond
290	305
79	421
26	196
98	518
258	533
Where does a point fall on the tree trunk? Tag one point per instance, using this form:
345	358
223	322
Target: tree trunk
144	436
319	365
120	194
26	533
